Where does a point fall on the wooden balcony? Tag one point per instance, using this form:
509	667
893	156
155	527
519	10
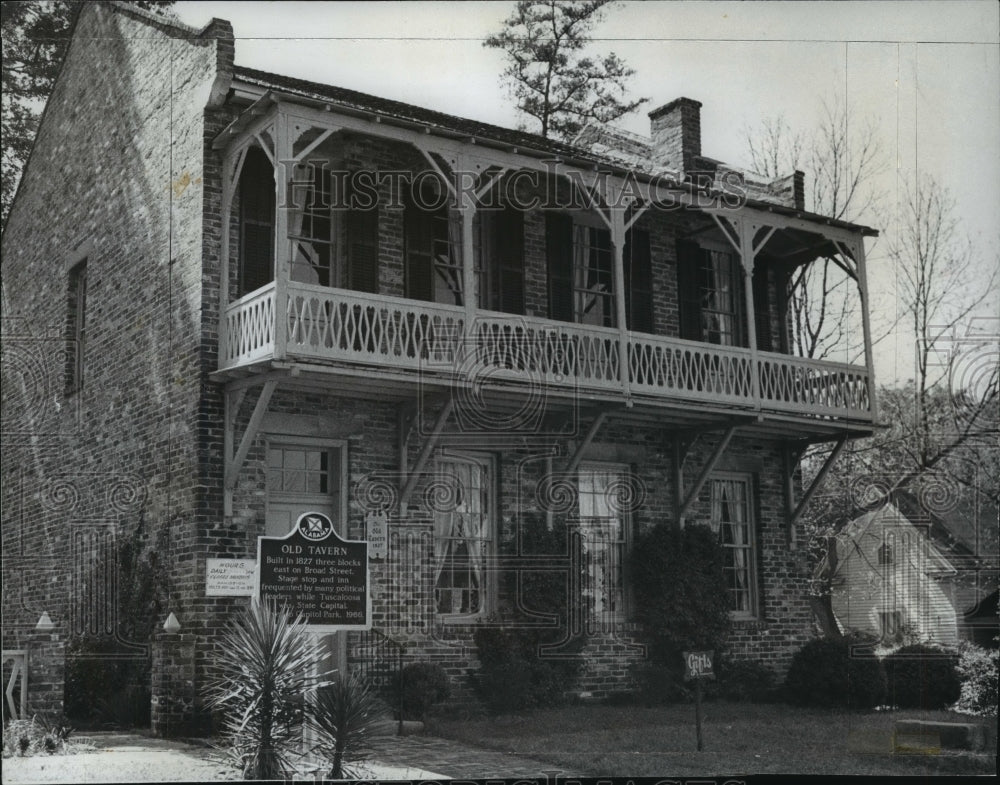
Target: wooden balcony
340	328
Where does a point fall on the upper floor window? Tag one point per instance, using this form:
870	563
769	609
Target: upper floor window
463	536
499	255
256	222
884	555
710	291
712	297
332	240
582	279
732	519
76	327
434	267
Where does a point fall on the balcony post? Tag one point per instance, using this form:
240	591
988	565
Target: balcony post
467	207
230	174
618	244
282	157
746	232
866	325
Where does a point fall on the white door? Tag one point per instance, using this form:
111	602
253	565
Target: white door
306	476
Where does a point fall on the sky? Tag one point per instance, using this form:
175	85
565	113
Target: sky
925	73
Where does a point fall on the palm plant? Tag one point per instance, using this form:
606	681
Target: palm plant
266	668
349	715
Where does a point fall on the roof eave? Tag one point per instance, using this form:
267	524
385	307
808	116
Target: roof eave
278	95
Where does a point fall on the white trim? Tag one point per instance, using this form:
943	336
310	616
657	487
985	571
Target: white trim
747	478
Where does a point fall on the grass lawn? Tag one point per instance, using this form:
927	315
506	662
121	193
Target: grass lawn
738	739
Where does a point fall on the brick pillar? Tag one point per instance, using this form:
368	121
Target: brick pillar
46	673
173	711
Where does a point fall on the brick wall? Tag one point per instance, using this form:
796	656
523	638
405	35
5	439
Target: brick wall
403	604
115	177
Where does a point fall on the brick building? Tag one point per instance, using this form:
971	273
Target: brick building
253	296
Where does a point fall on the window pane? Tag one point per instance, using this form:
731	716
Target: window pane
731	520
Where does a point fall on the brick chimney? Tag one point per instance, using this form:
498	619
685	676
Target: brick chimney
676	132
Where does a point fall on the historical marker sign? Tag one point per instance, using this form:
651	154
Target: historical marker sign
317	574
377	526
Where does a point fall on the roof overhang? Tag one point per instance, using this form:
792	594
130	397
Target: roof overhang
263	101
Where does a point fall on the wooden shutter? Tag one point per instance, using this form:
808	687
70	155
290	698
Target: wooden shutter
762	304
638	282
418	228
688	290
256	222
509	266
559	254
361	227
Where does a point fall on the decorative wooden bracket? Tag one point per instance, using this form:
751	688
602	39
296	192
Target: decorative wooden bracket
595	426
817	480
707	469
791	454
234	462
425	452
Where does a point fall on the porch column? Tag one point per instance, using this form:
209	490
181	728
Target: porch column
617	222
468	211
282	247
866	325
746	232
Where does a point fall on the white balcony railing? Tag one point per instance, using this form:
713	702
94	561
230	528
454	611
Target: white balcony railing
323	324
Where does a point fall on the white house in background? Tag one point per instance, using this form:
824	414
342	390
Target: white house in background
888	577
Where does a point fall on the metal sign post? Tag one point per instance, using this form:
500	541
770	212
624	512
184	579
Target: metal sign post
698	665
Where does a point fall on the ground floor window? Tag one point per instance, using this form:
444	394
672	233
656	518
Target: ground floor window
604	528
463	534
732	520
891	626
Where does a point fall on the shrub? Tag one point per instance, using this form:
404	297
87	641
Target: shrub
107	683
104	689
836	673
264	673
348	715
922	677
977	668
424	684
514	675
680	592
743	681
37	735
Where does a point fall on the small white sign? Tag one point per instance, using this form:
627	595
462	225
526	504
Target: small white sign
230	577
377	529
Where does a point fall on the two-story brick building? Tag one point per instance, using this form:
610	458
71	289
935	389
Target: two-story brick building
232	296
